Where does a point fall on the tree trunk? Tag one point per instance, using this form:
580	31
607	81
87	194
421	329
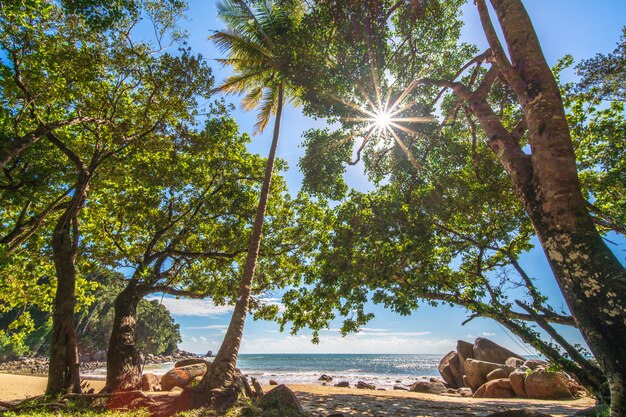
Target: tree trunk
591	278
63	372
123	360
222	371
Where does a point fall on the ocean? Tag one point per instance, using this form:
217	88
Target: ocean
378	369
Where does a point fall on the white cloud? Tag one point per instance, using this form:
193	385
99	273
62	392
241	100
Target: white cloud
186	307
209	327
487	334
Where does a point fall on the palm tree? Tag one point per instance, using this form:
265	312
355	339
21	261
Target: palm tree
251	43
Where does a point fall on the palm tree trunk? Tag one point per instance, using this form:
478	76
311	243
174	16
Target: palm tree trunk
222	372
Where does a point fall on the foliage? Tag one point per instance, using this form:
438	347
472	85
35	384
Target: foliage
604	76
156	331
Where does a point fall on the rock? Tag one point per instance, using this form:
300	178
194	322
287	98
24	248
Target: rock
381	389
280	398
514	362
192	361
273	382
400	388
476	372
365	385
544	385
464	350
445	369
180	377
519	413
325	378
457	371
429	387
534	364
398	381
488	351
343	384
464	392
335	415
497	374
497	388
150	382
517	378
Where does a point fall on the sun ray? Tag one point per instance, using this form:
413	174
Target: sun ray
405	149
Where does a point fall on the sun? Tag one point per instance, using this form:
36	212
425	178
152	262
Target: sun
382	120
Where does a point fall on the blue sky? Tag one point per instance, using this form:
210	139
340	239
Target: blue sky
578	27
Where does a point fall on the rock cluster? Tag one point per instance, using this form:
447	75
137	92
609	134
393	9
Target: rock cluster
39	366
492	371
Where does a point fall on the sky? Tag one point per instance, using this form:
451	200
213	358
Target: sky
581	28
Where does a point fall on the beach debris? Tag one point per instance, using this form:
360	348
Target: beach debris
182	376
497	388
365	385
343	384
258	389
279	398
325	378
150	382
429	387
273	382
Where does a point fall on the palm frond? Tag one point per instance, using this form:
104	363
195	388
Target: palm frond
241	81
268	107
237	46
253	98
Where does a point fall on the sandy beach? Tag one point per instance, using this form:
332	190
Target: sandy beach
324	400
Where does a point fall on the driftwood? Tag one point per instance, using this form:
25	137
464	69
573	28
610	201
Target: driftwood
258	389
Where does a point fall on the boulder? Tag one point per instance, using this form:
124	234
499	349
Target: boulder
514	362
365	385
280	398
497	374
325	378
464	350
343	384
192	361
273	382
180	377
519	413
445	368
150	382
488	351
497	388
400	388
476	372
534	364
457	372
544	385
429	387
464	392
517	378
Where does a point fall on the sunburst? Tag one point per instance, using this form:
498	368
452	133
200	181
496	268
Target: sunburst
384	117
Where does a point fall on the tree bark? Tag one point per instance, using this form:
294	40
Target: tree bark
63	372
222	371
591	278
123	359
